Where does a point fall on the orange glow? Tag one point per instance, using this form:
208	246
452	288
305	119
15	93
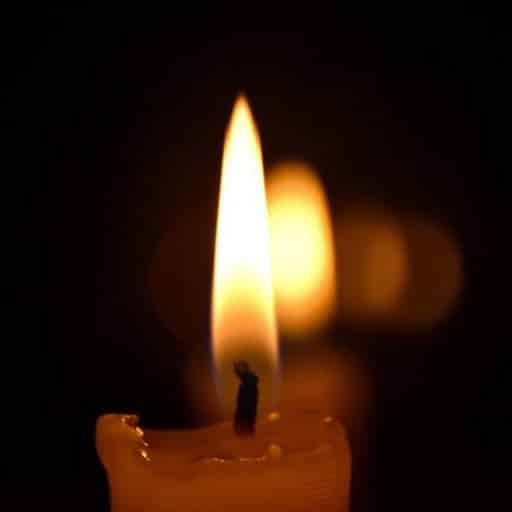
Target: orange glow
302	249
436	276
373	263
406	273
243	318
334	382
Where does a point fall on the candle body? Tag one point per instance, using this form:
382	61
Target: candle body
298	462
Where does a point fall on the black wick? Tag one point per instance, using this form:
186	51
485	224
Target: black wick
247	401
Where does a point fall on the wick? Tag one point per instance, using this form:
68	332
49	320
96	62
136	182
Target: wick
247	401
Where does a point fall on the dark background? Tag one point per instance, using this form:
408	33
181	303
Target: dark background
114	131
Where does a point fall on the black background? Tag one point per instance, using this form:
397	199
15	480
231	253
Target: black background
112	118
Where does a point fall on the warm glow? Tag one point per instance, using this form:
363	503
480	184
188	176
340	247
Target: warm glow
436	275
401	272
302	249
373	264
243	319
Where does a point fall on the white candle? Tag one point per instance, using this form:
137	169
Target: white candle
299	461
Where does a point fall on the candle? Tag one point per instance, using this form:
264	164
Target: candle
295	463
292	460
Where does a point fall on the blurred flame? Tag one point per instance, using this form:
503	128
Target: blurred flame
436	275
373	265
302	249
406	273
243	318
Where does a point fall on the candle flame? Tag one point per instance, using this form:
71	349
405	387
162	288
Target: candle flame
243	318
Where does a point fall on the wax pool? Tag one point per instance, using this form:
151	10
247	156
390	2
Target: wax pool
294	462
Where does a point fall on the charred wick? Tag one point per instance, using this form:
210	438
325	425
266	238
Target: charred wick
247	400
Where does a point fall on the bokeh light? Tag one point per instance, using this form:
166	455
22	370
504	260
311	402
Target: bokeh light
372	263
400	272
302	249
436	275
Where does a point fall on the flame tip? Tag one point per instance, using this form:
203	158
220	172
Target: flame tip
241	101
